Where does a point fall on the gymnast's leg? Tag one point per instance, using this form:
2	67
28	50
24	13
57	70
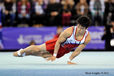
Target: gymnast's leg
35	50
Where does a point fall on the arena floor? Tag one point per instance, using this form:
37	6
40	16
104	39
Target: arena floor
88	64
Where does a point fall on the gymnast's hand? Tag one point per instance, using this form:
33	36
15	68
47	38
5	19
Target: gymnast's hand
69	62
52	58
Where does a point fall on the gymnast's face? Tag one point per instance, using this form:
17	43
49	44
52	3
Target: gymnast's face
81	29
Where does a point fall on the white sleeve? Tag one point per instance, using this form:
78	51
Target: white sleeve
3	7
103	5
39	9
91	6
14	8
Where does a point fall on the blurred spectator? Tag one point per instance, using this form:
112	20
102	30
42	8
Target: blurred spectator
97	11
112	28
58	1
23	9
9	11
76	1
46	3
1	6
82	8
109	35
88	1
38	13
67	11
109	11
53	12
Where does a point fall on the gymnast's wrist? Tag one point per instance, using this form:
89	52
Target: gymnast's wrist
54	54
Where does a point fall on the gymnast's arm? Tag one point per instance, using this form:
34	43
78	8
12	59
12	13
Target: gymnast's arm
60	40
79	49
63	36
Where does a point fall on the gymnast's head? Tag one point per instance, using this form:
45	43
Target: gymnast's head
84	21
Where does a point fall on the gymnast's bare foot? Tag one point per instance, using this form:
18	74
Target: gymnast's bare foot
70	62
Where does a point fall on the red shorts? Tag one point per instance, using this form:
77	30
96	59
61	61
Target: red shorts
50	48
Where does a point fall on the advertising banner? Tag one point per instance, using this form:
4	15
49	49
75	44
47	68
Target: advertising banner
96	34
16	38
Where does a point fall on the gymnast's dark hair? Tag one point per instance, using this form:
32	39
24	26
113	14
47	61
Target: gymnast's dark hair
84	21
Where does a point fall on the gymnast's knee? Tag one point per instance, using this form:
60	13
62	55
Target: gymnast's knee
34	48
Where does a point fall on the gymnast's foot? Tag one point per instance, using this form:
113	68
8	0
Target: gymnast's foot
18	53
70	62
